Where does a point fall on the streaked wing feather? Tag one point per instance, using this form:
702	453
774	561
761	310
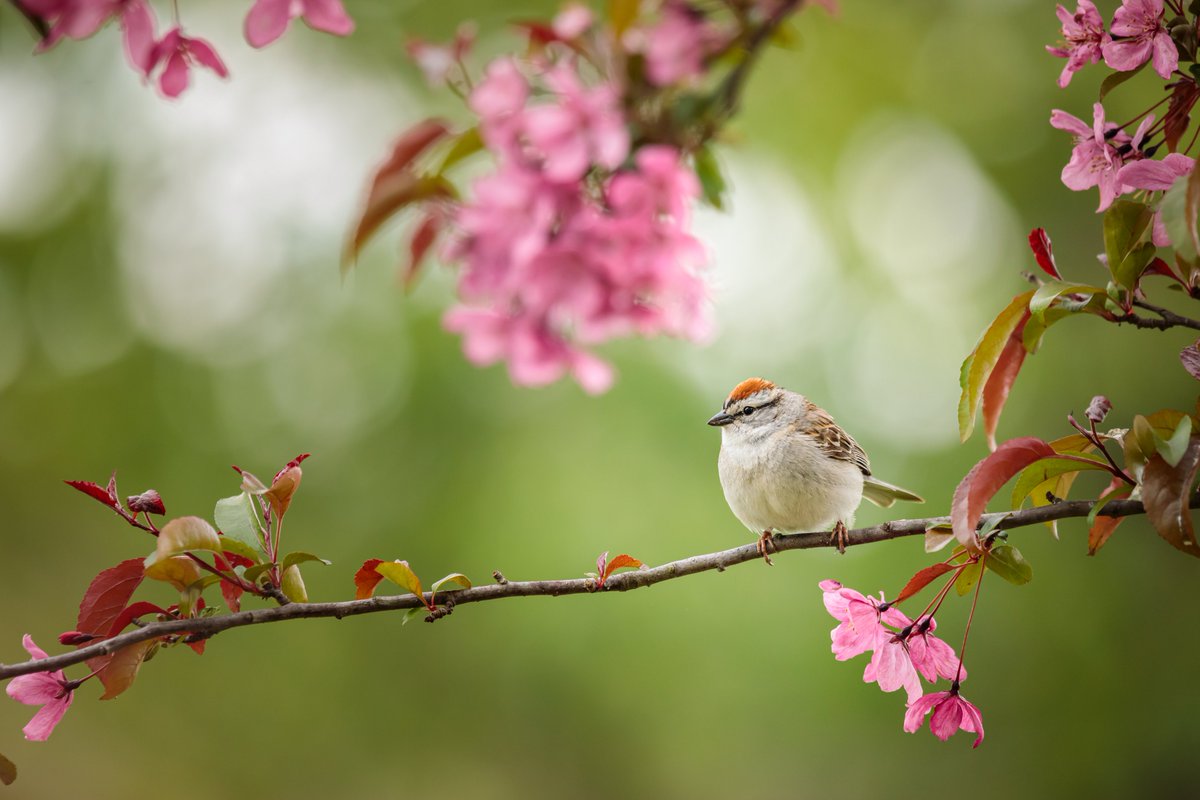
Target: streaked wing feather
834	441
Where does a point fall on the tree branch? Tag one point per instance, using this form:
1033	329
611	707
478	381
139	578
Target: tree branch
1166	318
210	626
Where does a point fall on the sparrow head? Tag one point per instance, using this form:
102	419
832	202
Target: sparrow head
754	404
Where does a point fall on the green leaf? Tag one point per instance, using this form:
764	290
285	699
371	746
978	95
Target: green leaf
237	518
712	182
1043	470
1181	226
410	613
252	574
1116	79
978	366
182	535
399	573
1007	562
292	585
1173	449
967	578
465	144
179	571
1126	224
1050	291
299	557
453	577
232	545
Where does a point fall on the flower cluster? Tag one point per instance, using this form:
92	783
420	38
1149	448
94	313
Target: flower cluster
173	55
1105	155
902	652
575	238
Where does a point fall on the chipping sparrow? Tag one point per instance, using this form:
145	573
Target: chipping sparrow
787	467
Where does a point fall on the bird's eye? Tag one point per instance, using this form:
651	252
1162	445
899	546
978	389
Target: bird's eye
748	410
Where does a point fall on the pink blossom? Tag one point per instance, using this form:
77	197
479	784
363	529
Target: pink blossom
931	656
50	690
581	127
176	54
1138	34
676	46
268	19
79	19
861	629
572	21
435	61
549	267
1084	36
1156	176
1099	153
891	666
951	713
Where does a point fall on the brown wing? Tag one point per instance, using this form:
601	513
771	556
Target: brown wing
834	441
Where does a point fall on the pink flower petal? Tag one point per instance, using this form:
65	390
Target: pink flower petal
174	78
1166	56
137	27
204	53
47	717
267	21
328	16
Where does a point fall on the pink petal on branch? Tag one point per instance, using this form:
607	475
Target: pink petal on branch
1140	35
267	20
986	478
45	689
137	28
1156	176
1084	36
951	713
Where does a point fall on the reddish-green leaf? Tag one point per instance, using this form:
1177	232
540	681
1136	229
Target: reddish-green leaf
1050	291
366	579
179	571
107	595
423	238
978	366
148	502
1126	227
185	534
967	578
999	383
619	562
1166	490
465	144
122	668
1100	527
922	579
231	592
986	478
399	573
1037	473
937	536
396	184
282	488
130	613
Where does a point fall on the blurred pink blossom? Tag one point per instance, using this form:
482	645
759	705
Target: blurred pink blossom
675	47
572	21
951	713
268	19
50	690
1139	35
436	60
176	54
1084	36
1099	153
79	19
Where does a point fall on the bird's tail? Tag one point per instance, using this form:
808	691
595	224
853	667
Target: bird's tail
885	494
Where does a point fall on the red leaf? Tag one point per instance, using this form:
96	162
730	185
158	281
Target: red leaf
107	595
231	591
540	34
1101	529
1190	356
422	239
1039	242
366	579
148	502
132	612
396	184
922	579
1000	381
295	462
94	490
623	560
76	638
986	478
198	646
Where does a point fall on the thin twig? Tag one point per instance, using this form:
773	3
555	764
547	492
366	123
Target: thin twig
1167	319
622	582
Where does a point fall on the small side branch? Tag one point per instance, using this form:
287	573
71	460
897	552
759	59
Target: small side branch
719	561
1166	319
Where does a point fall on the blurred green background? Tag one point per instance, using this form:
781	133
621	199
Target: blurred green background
170	305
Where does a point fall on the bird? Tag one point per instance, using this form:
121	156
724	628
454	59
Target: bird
787	467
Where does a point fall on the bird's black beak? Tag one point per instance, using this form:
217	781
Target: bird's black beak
720	419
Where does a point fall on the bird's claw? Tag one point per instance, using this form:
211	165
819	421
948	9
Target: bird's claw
766	544
838	537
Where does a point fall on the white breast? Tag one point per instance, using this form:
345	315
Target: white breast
783	483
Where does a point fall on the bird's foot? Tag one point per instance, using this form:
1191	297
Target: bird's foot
838	537
766	545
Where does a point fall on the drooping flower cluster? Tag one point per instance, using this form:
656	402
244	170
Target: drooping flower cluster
1104	154
174	54
575	238
902	652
